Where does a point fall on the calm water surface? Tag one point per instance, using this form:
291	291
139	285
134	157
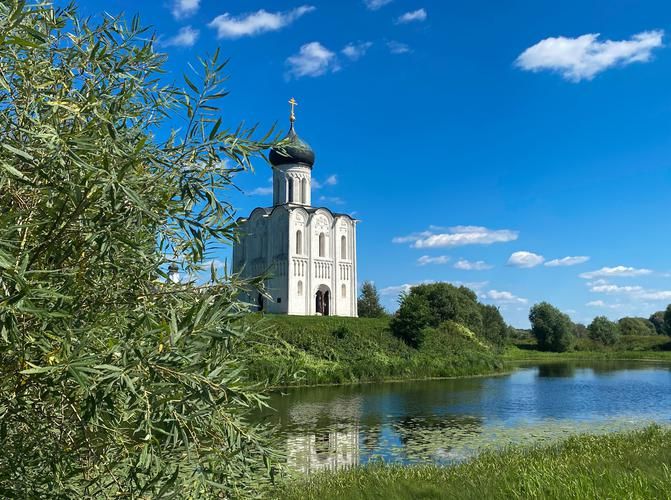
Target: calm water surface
445	421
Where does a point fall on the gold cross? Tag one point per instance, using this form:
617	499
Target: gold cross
293	103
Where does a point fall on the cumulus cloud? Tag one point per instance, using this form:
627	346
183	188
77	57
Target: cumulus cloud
467	265
525	259
608	288
355	51
567	261
256	23
418	15
376	4
313	59
425	259
184	8
617	271
398	47
584	57
185	37
503	297
457	236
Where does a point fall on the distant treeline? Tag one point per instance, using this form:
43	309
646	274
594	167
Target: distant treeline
428	306
554	330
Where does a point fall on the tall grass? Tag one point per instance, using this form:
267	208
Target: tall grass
299	350
627	465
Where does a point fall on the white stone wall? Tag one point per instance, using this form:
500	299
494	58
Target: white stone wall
292	184
323	259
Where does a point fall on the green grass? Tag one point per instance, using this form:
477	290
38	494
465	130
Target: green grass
332	350
652	348
628	465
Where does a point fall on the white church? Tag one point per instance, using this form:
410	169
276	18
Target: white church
309	253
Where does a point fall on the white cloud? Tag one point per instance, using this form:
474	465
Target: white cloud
256	23
376	4
467	265
185	37
418	15
331	180
582	58
607	288
654	295
398	47
503	297
184	8
457	236
567	261
313	59
355	51
397	289
525	259
602	304
261	191
332	199
425	259
617	271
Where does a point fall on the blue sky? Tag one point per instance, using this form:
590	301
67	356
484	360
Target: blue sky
520	147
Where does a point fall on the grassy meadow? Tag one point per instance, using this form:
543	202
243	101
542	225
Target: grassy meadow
627	347
297	350
627	465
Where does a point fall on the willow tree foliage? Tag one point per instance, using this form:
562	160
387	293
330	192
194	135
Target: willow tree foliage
113	382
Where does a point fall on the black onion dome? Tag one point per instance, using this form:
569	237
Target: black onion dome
292	149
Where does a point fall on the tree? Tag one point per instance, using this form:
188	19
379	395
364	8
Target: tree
636	326
657	320
667	320
494	328
552	328
580	331
114	383
604	330
430	305
369	301
413	316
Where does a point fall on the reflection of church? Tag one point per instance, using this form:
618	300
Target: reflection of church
324	450
309	252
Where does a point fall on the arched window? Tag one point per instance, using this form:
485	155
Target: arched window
343	247
322	245
300	288
304	191
299	242
344	291
290	182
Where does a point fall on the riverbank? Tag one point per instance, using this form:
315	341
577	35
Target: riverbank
626	465
296	350
634	348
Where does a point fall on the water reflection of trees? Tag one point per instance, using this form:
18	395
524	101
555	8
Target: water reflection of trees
550	370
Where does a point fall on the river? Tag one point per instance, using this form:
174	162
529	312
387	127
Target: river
447	421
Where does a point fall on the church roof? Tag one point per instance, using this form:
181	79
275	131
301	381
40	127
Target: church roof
292	149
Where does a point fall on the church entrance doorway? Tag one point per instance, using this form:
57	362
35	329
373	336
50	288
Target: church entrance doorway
323	301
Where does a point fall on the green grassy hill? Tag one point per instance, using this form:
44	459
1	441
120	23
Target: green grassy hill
299	350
